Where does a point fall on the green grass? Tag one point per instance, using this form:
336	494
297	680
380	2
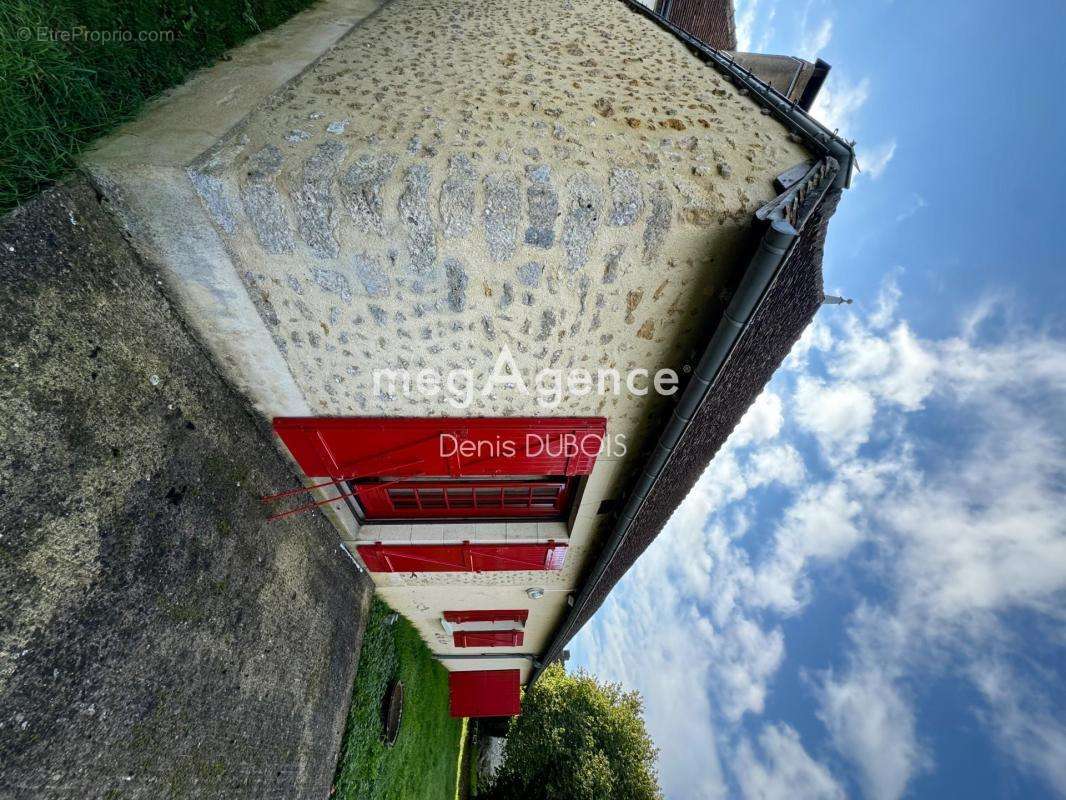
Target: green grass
56	96
422	763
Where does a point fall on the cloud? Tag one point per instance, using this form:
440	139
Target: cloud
930	470
745	12
887	302
839	414
814	40
914	205
671	678
1021	723
819	527
782	769
838	107
874	161
839	102
762	422
873	726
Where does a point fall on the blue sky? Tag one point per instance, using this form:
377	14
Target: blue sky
865	594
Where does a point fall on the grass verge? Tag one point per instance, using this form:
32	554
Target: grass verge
72	69
422	762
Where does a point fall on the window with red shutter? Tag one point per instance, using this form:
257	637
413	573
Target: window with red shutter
542	499
486	628
462	557
487	615
488	638
422	469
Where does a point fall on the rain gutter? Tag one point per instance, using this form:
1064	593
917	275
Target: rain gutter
784	217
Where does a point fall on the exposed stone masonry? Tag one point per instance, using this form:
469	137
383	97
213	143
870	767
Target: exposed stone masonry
451	179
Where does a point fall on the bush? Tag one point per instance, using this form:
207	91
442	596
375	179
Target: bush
577	739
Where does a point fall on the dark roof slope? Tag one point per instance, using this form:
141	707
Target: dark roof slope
710	21
787	309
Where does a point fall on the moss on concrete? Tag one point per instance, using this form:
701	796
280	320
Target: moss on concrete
157	637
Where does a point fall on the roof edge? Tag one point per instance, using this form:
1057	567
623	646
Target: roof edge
785	219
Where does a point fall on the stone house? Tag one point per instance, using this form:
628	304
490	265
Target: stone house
502	276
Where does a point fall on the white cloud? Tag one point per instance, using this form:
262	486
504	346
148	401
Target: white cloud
874	161
762	422
914	205
887	302
814	40
671	677
839	414
818	527
782	770
839	102
953	532
873	726
745	12
838	107
1021	723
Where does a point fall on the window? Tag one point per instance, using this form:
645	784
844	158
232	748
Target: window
462	557
489	628
543	499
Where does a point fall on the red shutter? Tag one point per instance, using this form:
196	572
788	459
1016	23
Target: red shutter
464	557
488	638
415	499
403	447
500	615
485	693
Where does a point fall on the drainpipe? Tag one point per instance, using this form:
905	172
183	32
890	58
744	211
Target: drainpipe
774	247
788	112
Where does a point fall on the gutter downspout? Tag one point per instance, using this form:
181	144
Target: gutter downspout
786	216
788	112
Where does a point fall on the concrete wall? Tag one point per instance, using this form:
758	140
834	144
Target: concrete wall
157	637
565	180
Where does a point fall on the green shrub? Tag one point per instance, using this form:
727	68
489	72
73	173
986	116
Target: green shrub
577	739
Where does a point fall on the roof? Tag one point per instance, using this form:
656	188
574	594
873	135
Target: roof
710	21
784	311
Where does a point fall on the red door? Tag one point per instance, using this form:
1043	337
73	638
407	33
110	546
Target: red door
485	693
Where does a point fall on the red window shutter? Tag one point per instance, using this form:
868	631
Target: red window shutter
501	615
507	557
463	557
485	693
464	499
488	638
347	448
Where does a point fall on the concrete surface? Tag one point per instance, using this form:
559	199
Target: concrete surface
157	637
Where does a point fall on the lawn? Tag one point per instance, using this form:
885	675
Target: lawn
423	762
72	69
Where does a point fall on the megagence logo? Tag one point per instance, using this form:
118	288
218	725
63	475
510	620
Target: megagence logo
550	385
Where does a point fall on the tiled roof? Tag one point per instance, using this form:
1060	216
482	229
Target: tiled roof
787	309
